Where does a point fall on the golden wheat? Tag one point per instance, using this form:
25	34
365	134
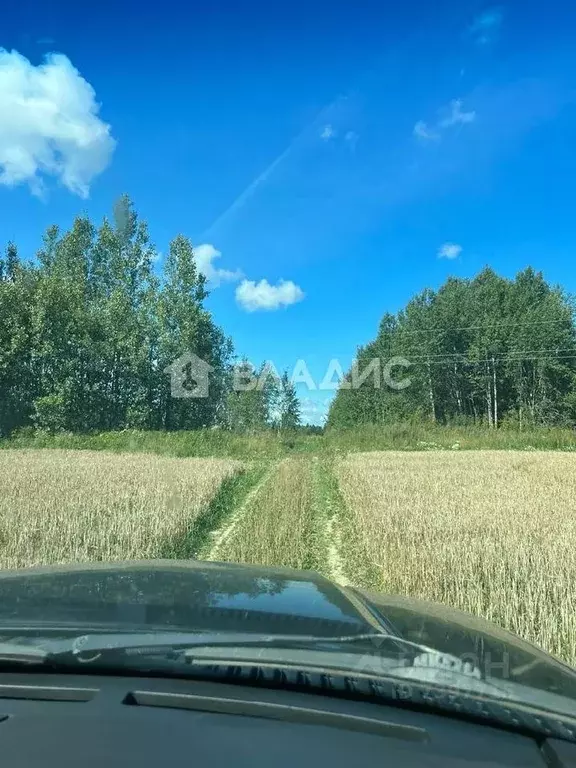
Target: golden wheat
66	506
492	533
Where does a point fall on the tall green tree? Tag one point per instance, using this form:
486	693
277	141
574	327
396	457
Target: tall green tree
248	402
62	344
89	328
488	350
17	381
12	263
186	326
289	405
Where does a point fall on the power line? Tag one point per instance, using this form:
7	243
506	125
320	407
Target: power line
483	327
454	356
498	360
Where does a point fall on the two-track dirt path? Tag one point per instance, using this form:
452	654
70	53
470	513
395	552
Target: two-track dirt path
326	511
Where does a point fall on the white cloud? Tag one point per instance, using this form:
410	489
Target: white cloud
327	132
253	296
421	131
250	295
204	255
485	27
49	125
449	251
456	115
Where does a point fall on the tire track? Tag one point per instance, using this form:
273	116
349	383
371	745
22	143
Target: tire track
223	534
334	545
328	510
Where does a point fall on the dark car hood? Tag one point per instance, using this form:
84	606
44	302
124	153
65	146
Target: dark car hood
190	595
172	594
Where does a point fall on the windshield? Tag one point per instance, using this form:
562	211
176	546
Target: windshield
289	287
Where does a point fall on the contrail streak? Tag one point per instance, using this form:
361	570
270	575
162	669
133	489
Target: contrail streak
250	190
388	58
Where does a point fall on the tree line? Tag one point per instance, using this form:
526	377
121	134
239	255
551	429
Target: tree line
90	325
486	350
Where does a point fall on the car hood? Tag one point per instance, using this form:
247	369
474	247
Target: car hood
198	595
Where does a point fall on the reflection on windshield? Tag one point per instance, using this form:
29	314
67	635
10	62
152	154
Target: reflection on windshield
297	598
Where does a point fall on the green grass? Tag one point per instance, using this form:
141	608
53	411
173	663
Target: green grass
427	436
231	493
201	443
183	444
270	445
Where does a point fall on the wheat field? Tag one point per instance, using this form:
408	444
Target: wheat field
489	532
77	506
492	533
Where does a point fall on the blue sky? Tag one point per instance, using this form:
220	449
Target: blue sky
359	151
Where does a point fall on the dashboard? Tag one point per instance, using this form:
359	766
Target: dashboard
71	720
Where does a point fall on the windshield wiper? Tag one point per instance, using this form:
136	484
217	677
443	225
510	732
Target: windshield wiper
121	651
170	641
86	649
